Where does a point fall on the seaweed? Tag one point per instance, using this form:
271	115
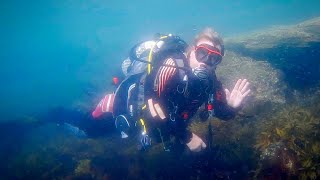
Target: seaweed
296	129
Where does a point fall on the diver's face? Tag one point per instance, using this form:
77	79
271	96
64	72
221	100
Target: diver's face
193	60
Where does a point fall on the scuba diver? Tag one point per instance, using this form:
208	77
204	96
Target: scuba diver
166	83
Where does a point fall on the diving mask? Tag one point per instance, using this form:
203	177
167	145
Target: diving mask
208	54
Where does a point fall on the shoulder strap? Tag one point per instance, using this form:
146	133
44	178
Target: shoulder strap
181	63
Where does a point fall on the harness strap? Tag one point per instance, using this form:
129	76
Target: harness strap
141	99
180	63
162	141
210	107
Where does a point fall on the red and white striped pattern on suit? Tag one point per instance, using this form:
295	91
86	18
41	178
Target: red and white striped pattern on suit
165	73
105	105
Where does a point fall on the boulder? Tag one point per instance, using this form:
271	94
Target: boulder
293	49
266	83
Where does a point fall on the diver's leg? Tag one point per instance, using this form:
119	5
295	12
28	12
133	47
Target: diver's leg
123	105
93	127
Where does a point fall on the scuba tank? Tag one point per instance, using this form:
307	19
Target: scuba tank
149	55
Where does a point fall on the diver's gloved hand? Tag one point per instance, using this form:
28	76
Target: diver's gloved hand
196	144
239	92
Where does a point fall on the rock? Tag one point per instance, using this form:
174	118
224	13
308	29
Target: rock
300	35
266	84
277	159
83	167
292	49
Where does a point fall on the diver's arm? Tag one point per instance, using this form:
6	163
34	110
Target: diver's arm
185	136
221	108
182	132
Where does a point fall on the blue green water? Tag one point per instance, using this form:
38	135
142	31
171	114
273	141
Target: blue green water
65	53
52	52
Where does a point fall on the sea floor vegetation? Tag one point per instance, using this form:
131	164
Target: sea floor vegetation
284	144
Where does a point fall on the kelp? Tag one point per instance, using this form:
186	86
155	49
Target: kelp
296	128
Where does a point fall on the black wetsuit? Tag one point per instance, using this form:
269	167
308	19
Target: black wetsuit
180	100
177	120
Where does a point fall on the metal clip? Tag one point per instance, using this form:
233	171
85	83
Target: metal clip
210	99
175	112
211	113
180	91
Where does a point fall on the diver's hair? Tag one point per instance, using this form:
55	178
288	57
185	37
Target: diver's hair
208	34
211	35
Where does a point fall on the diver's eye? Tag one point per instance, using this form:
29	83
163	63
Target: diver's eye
201	54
